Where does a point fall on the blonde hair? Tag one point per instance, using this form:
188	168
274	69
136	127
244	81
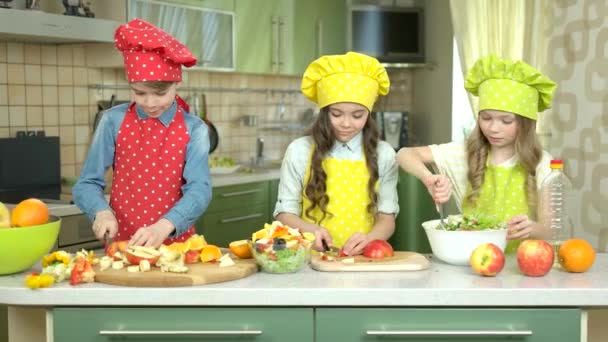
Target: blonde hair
527	147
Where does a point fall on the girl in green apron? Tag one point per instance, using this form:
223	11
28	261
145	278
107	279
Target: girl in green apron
497	172
340	182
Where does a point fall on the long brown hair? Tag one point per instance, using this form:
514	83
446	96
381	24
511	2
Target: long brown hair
527	147
324	138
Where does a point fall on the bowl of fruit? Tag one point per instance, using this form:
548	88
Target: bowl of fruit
278	248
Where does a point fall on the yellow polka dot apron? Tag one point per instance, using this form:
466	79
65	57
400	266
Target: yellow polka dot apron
502	196
348	199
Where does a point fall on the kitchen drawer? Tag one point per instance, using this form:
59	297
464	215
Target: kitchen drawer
238	196
439	325
220	228
182	324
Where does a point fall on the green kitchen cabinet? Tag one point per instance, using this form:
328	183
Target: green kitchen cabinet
264	36
415	206
320	29
235	212
443	325
3	323
274	192
182	324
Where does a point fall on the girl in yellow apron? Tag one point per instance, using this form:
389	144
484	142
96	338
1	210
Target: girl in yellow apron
340	182
497	173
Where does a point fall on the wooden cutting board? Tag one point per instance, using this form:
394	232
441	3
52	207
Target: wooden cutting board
401	261
198	274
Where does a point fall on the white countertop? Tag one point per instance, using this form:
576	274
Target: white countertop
242	178
441	285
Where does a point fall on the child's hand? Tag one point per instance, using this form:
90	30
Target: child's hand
439	187
105	222
355	244
321	234
153	235
520	227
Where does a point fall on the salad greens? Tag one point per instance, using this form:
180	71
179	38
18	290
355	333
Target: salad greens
477	222
216	161
285	261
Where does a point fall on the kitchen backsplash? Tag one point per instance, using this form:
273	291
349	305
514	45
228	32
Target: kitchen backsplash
50	88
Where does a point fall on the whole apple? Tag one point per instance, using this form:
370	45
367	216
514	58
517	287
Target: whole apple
535	257
487	259
378	249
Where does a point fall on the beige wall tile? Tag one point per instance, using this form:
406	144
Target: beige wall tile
34	116
16	95
2	51
33	74
50	96
32	54
16	116
68	170
81	153
80	76
108	76
79	55
64	55
14	52
93	76
14	129
81	96
68	155
52	131
33	95
3	94
81	134
66	116
4	133
65	75
67	135
66	96
16	73
3	73
49	75
49	54
51	115
81	115
94	96
4	116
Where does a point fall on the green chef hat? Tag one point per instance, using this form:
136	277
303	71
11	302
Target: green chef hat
510	86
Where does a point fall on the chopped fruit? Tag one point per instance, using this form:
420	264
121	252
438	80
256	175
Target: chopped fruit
58	257
116	249
82	272
35	280
260	234
133	268
135	254
118	265
210	253
348	260
192	257
241	249
197	242
281	250
279	231
144	265
181	247
30	212
309	236
5	216
279	244
105	263
226	261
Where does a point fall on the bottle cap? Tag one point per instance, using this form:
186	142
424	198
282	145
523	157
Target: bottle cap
557	164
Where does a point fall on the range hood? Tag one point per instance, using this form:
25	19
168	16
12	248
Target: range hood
42	27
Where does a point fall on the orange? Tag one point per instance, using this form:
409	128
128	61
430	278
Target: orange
181	247
260	234
210	253
197	242
241	249
30	212
576	255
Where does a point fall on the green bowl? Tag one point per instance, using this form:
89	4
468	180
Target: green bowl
21	248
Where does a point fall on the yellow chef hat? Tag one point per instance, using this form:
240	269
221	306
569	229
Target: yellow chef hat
352	77
511	86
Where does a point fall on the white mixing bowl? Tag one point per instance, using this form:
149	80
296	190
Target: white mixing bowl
455	247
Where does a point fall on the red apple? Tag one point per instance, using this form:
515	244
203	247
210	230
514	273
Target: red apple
192	257
117	246
535	257
487	259
378	249
135	254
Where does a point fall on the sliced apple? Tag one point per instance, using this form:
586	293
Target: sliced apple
135	254
116	248
5	216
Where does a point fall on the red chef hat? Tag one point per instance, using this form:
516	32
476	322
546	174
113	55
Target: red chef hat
151	54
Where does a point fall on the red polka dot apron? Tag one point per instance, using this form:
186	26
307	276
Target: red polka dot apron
148	165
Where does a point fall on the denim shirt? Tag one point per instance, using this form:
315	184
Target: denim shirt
88	191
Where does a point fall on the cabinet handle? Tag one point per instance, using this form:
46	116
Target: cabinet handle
319	37
438	333
240	218
275	44
239	193
179	332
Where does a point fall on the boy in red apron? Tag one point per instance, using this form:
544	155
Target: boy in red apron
157	150
340	182
497	173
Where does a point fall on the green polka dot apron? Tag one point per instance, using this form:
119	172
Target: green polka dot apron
502	196
346	188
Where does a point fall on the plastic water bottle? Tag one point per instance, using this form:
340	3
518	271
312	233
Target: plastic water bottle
555	205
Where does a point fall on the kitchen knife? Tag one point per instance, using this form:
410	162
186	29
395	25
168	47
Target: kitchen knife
332	251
